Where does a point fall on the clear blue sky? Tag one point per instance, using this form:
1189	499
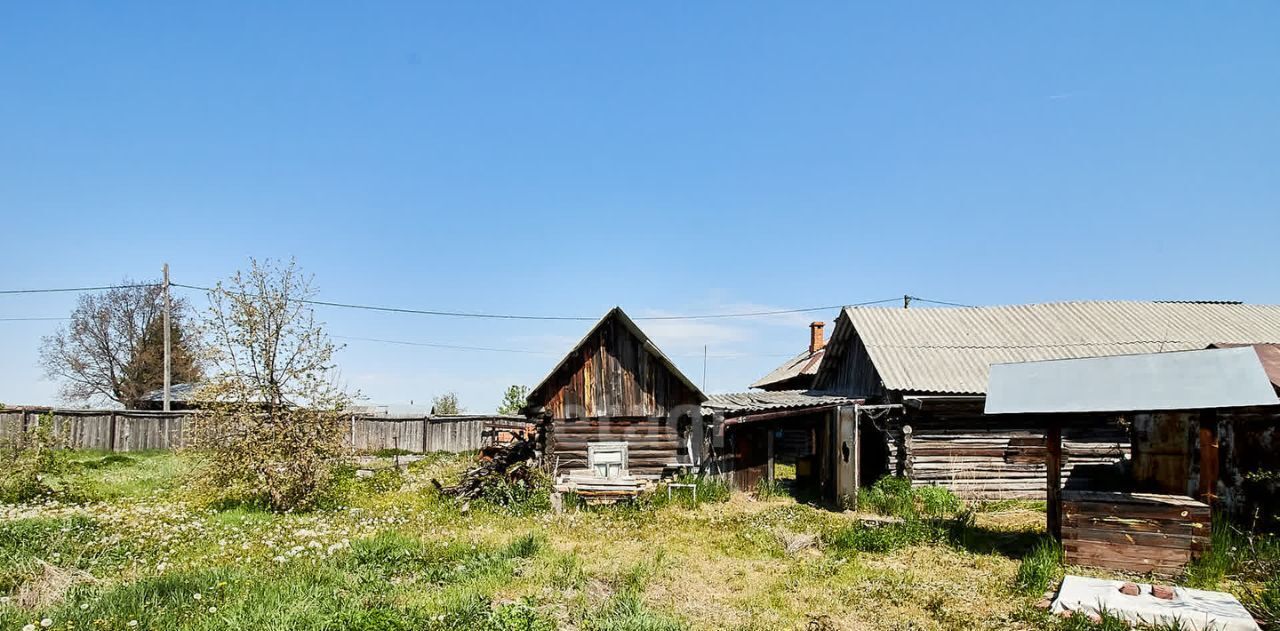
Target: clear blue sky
557	158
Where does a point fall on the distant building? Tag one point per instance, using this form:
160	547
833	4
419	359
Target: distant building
798	372
923	376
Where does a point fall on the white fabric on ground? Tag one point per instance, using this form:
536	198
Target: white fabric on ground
1195	609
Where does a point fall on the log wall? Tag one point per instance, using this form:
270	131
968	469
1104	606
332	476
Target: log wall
982	457
652	444
1133	532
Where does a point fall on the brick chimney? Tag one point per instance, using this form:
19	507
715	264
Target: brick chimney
815	337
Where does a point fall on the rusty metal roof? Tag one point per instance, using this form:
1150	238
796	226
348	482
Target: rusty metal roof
949	350
805	363
740	402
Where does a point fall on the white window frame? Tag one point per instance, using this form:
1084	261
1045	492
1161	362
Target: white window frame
611	469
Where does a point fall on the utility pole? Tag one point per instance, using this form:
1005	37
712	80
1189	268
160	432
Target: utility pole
704	367
906	301
167	359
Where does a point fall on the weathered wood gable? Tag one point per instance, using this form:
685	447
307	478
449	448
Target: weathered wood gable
615	372
846	368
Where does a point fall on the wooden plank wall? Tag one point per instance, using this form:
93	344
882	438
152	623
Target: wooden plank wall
980	458
1133	532
611	374
846	367
135	430
652	444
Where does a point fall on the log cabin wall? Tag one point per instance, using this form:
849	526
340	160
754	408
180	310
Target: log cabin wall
611	387
989	457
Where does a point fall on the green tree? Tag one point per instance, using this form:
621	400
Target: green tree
446	404
513	400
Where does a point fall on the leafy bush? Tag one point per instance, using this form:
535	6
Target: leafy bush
1039	568
526	495
36	455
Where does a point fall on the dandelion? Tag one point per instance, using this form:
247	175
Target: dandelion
131	623
213	610
46	623
29	627
197	596
84	606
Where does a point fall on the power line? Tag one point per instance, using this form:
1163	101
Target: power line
31	319
940	302
458	347
455	347
75	289
506	316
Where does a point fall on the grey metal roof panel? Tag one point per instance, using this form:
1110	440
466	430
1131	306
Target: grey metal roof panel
1190	380
948	350
738	402
805	363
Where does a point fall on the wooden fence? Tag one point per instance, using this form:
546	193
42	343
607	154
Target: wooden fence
136	430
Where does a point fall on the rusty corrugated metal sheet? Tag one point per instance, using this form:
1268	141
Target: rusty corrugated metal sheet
805	363
949	350
739	402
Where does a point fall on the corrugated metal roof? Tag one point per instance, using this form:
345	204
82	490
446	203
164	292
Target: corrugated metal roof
805	363
949	350
738	402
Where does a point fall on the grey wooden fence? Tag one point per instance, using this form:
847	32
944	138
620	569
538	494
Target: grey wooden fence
136	430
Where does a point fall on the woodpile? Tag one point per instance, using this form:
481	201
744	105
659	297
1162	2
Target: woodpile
512	463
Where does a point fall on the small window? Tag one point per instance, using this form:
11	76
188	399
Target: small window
607	460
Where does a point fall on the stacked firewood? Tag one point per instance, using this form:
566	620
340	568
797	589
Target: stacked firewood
509	463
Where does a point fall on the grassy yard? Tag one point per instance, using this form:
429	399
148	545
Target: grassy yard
389	553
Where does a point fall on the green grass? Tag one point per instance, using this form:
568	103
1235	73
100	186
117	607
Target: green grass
1040	568
105	476
400	556
894	496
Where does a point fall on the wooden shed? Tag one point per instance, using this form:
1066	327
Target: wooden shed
616	406
1155	514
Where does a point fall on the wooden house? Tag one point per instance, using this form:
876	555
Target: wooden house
798	372
922	376
616	406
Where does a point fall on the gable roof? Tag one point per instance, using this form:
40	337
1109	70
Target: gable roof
618	314
804	364
949	349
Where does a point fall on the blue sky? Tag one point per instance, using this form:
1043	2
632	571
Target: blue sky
560	158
